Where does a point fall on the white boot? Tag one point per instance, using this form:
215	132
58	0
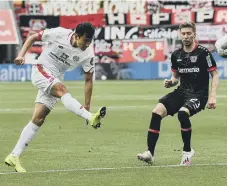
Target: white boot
146	157
187	158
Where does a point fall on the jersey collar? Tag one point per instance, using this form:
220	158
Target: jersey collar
195	46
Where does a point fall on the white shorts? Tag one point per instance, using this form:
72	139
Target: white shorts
43	79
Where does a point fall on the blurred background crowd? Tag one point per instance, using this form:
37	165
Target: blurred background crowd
133	40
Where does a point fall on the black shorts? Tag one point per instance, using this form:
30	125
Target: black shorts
174	101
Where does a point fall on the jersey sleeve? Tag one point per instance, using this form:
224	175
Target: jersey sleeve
174	67
211	64
49	34
88	65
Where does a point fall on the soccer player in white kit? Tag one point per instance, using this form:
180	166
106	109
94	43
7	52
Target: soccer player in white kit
65	50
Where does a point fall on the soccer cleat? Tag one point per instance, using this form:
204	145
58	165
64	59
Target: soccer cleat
146	157
95	119
187	158
14	162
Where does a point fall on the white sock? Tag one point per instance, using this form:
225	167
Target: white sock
27	135
74	106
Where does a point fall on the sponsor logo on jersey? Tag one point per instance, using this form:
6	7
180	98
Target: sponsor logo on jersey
75	58
188	70
208	58
179	59
60	46
61	58
193	59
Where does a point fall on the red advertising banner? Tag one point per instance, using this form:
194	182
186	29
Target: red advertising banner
71	21
143	51
8	34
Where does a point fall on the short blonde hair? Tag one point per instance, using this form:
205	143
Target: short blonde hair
188	24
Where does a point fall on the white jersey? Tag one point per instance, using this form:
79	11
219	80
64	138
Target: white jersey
59	56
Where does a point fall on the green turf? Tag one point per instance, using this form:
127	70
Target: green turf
64	143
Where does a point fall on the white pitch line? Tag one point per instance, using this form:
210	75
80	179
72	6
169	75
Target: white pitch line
118	107
113	168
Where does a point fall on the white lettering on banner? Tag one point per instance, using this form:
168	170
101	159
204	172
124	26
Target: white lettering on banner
176	7
116	19
116	46
34	8
180	17
119	32
68	8
135	7
164	69
221	16
5	33
10	73
161	33
128	46
159	45
159	17
140	19
201	16
220	2
102	46
97	32
130	33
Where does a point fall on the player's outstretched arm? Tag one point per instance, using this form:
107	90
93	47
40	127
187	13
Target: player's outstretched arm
88	89
214	84
28	43
173	81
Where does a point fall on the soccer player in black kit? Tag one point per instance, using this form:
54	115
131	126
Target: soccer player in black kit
192	65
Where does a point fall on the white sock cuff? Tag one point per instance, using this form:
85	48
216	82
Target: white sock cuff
66	96
33	126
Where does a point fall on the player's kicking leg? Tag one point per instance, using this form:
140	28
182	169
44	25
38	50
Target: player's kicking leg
71	104
153	133
27	134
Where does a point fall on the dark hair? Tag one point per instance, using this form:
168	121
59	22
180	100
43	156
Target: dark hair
188	24
85	28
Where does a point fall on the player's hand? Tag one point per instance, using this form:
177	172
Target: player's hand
211	103
19	61
168	83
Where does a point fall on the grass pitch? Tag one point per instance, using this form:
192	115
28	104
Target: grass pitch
66	152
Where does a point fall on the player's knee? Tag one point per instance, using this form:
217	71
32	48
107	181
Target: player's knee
59	90
183	117
160	110
38	121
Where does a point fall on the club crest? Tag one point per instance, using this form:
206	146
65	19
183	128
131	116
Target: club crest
193	59
75	58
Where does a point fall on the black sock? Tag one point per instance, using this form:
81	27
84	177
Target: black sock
186	130
153	132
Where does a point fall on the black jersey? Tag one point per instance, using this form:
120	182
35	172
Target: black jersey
193	68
